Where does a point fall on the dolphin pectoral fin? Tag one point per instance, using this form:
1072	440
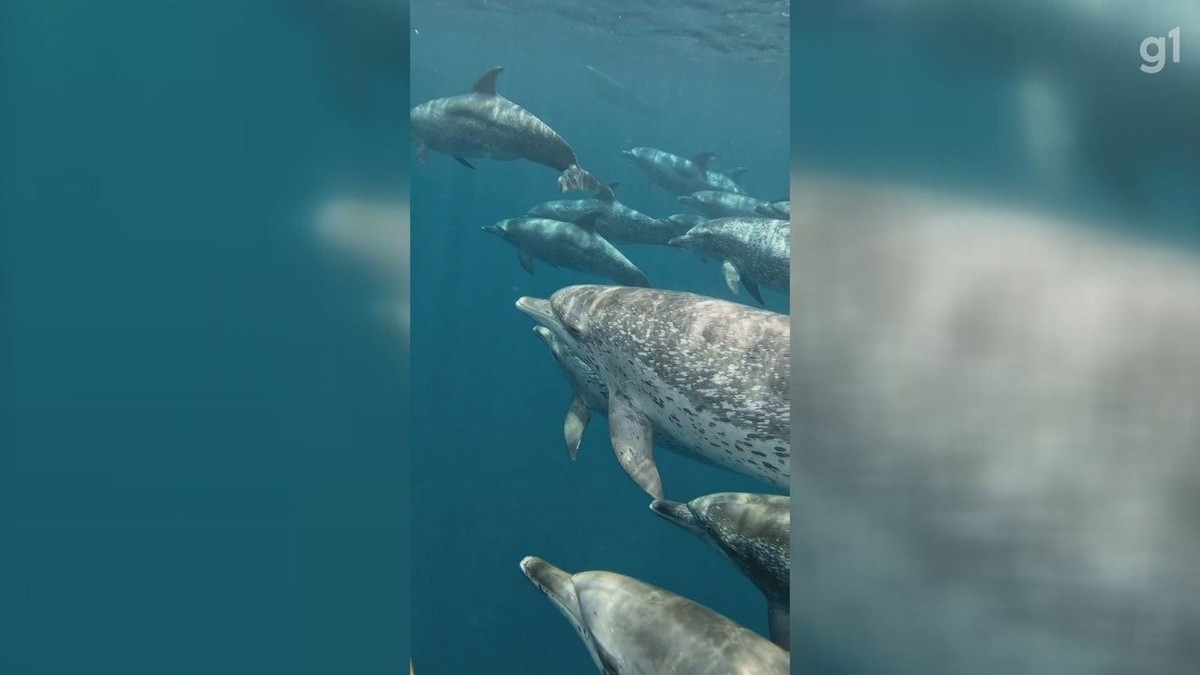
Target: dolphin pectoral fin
526	259
779	625
486	84
732	277
632	439
422	153
464	162
577	420
752	287
735	175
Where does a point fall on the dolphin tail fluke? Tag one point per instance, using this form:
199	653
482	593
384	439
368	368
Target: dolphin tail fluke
575	178
779	624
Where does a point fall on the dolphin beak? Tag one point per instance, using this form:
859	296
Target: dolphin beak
680	241
556	584
492	229
677	513
539	310
627	153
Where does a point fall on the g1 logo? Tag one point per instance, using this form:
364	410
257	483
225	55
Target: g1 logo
1155	62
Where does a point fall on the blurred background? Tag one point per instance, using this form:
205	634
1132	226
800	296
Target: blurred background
996	292
203	356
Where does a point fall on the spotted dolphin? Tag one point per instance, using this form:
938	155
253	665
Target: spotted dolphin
616	222
753	532
713	374
753	251
683	175
485	124
633	628
576	246
719	204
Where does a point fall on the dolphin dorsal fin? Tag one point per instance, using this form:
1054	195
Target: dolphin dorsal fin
588	220
701	160
487	83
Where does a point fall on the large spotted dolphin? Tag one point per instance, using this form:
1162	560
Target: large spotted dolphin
752	251
633	628
485	124
752	531
713	375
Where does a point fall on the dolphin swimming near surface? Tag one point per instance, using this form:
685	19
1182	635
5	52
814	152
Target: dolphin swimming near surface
633	628
573	245
616	222
712	374
753	532
716	204
752	251
619	93
485	124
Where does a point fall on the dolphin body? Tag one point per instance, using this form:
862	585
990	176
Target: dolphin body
715	204
753	532
576	246
633	628
619	93
615	221
683	175
998	417
485	124
712	375
752	251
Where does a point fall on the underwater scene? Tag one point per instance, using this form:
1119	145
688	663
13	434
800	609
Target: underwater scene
638	153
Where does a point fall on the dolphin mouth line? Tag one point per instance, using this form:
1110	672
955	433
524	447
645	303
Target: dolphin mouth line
539	310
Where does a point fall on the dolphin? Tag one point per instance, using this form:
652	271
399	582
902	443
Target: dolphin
616	222
781	209
633	628
619	93
713	375
753	532
716	204
998	415
753	250
683	175
573	245
485	124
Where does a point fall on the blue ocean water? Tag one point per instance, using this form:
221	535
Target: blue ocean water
493	482
202	430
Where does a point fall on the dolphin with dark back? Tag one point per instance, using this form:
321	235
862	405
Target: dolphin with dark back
711	375
573	245
683	175
616	222
753	532
485	124
633	628
619	93
752	251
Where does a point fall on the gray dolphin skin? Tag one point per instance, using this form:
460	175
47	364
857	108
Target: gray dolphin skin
575	246
711	374
683	175
753	532
716	204
616	222
685	221
619	93
633	628
590	394
780	209
485	124
753	251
